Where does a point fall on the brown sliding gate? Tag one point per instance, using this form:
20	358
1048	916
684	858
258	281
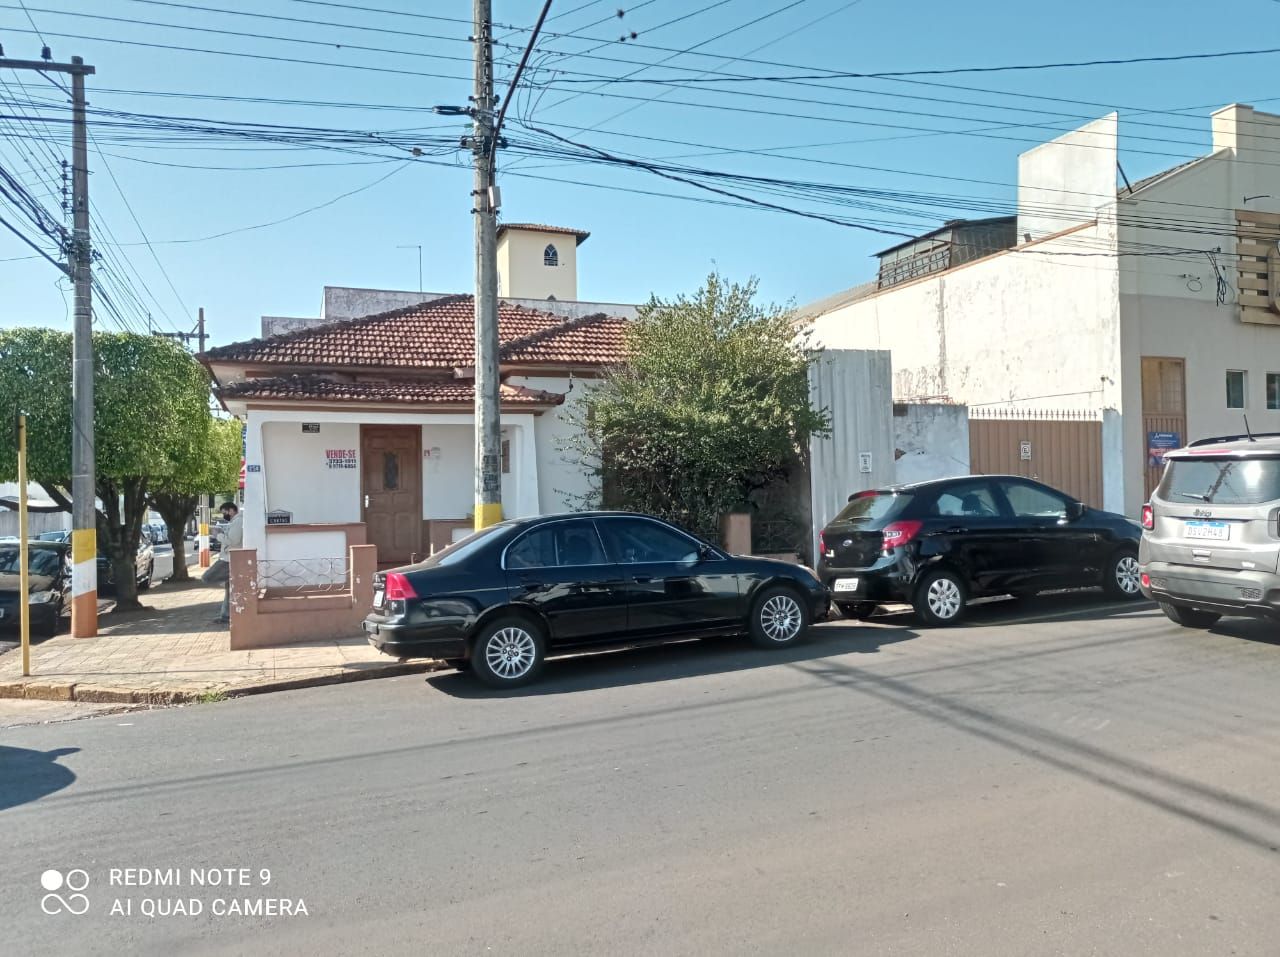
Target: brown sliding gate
1060	448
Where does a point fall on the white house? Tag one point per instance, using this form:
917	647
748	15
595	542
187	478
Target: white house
362	431
1156	303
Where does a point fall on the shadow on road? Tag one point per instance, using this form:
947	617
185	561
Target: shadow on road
1246	629
994	612
686	659
27	775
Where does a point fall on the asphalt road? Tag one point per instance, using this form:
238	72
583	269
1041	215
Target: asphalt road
1064	777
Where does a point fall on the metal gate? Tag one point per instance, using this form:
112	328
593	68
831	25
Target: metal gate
1059	448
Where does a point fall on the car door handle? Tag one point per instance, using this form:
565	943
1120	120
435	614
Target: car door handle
642	579
956	531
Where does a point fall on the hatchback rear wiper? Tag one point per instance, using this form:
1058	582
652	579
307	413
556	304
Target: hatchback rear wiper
1203	498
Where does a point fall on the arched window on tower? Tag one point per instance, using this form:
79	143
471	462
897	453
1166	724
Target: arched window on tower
550	257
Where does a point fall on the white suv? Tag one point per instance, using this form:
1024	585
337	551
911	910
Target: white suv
1211	533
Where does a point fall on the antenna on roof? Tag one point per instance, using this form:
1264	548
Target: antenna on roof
1247	430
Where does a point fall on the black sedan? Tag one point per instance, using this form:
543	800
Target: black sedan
935	545
144	561
504	598
48	585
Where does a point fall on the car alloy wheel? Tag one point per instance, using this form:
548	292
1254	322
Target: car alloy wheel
944	598
510	652
781	618
1128	578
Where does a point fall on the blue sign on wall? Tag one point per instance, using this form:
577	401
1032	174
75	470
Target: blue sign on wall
1158	443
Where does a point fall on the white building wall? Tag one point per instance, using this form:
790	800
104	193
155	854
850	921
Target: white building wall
292	473
930	442
1036	327
1064	182
564	484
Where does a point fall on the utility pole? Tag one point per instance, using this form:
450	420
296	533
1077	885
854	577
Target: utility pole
200	333
84	516
84	534
488	425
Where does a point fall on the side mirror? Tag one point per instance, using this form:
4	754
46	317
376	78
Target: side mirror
1075	511
705	553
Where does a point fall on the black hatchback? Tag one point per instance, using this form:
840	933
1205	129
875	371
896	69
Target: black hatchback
937	544
502	599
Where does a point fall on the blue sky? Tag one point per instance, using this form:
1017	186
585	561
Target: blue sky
640	243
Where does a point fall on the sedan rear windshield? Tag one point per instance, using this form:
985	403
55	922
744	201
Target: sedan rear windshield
1222	481
871	507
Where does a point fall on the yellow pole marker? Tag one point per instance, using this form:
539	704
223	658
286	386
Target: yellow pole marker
488	513
24	572
84	582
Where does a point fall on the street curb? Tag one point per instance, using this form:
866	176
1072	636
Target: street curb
35	690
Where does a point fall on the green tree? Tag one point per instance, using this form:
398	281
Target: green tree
210	465
150	399
711	405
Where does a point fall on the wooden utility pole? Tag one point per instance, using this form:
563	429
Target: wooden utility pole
488	425
84	525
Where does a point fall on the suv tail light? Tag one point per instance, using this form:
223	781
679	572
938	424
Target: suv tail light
1148	517
900	533
822	543
398	587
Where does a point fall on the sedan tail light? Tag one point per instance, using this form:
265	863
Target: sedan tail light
1148	517
900	533
398	587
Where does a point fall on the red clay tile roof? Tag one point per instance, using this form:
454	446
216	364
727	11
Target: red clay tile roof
436	335
582	234
406	391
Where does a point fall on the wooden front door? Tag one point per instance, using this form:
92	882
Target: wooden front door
391	485
1164	408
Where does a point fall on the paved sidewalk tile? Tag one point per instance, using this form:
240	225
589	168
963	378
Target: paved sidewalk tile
172	652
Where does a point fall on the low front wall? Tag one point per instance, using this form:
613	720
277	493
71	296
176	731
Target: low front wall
271	621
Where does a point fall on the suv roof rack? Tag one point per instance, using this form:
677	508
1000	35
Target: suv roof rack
1220	439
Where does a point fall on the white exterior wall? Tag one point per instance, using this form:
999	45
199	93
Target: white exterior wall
1035	329
563	483
1064	182
855	387
933	441
294	475
522	273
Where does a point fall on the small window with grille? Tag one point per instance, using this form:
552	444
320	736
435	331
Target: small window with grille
550	257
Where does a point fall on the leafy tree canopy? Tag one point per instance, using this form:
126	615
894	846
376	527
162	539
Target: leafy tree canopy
711	405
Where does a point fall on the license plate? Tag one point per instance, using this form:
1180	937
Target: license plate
845	584
1218	531
377	598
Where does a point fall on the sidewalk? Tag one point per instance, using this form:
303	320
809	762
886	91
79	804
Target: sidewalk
174	652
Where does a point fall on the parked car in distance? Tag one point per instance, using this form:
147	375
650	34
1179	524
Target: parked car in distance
48	585
145	562
144	566
1209	542
505	597
935	545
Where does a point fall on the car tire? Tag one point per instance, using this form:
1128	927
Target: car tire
1122	579
778	618
940	598
508	652
857	610
1190	617
459	664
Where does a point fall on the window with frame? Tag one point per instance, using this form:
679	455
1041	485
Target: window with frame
1030	501
635	541
1273	391
550	256
559	545
1237	388
971	500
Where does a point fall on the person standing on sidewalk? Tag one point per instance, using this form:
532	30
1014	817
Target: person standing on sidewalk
232	537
